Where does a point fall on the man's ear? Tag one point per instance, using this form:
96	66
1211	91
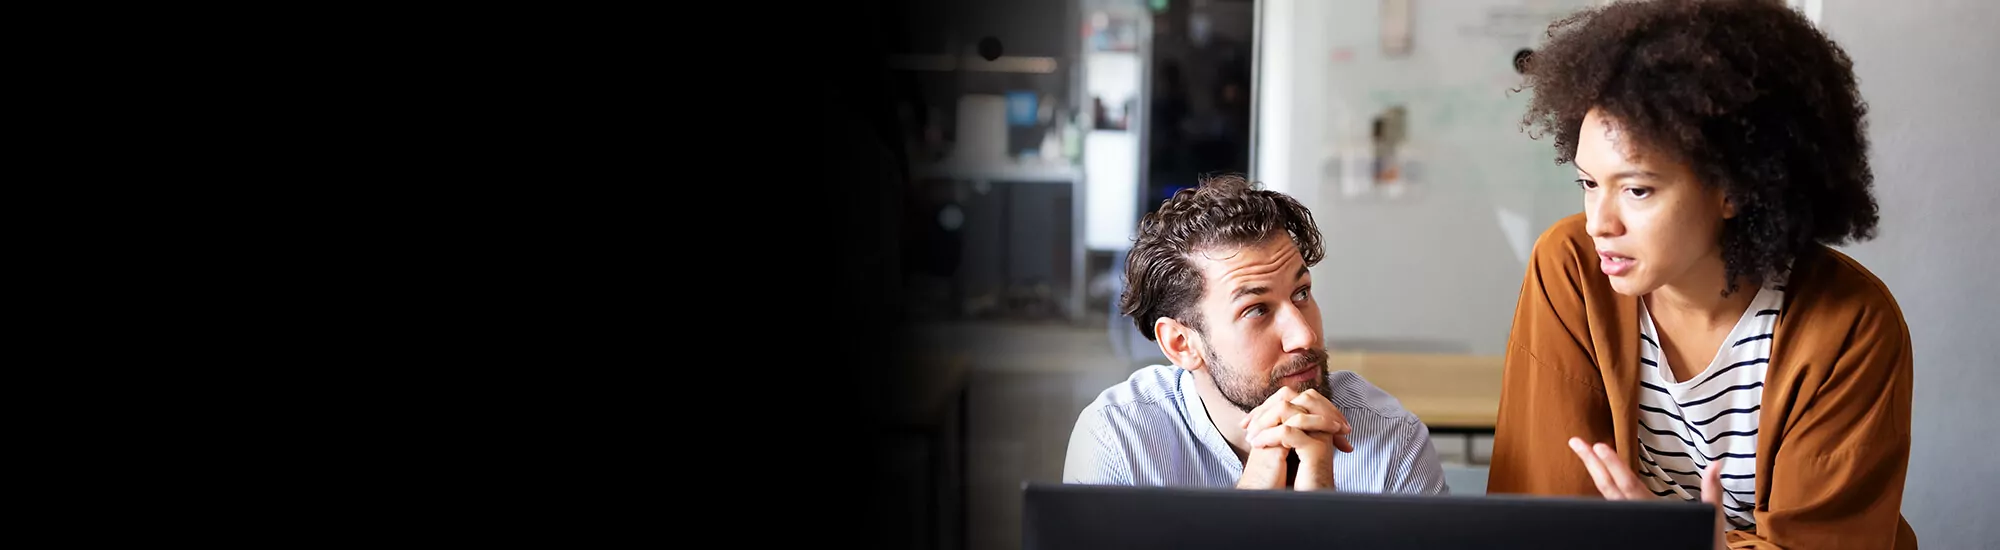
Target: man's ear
1179	343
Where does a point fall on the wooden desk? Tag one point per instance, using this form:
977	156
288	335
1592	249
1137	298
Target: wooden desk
1452	393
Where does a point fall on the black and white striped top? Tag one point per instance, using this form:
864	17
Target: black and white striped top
1684	426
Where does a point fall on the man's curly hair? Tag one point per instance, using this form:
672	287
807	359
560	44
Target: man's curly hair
1221	212
1746	92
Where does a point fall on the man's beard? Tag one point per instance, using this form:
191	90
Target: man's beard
1247	393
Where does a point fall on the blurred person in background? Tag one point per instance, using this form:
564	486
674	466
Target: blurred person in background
1220	279
1692	335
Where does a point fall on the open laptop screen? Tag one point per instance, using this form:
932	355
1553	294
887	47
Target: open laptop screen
1060	516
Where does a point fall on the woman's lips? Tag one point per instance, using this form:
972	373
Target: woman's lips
1615	264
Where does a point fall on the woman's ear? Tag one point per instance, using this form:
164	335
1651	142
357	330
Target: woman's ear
1179	343
1728	206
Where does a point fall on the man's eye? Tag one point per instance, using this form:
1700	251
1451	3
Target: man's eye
1639	192
1254	311
1586	184
1302	294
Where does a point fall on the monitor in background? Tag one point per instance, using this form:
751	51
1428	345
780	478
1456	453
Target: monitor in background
1065	516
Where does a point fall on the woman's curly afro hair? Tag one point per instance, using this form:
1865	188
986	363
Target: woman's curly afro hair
1746	92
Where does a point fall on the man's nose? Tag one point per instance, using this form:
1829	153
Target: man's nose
1297	331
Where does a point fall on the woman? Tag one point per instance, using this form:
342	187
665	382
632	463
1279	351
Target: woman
1690	335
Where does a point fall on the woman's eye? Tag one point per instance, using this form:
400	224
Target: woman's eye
1586	184
1639	192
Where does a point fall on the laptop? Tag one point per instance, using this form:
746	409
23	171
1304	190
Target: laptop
1065	516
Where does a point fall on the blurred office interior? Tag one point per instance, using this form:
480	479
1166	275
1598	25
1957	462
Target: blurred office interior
1038	132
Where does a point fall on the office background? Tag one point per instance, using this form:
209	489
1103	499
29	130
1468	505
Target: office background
1026	172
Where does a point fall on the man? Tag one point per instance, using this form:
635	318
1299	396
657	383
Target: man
1219	278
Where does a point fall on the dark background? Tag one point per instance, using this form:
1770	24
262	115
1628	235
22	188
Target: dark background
871	220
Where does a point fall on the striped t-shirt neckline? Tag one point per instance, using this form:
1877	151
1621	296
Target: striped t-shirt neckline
1687	425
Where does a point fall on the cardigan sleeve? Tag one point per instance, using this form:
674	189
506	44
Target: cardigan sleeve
1550	387
1837	477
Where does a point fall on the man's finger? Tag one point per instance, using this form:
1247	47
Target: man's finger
1313	423
1309	421
1280	436
1253	414
1318	404
1597	473
1283	394
1288	436
1313	401
1316	423
1272	437
1275	415
1621	474
1334	430
1300	440
1271	417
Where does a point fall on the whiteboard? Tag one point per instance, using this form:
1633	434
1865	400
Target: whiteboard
1435	253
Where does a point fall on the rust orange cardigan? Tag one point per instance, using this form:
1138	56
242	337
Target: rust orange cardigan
1834	437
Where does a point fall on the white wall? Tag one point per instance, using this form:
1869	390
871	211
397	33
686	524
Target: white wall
1930	72
1480	190
1929	69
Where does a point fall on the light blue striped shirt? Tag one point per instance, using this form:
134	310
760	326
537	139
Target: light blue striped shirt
1152	429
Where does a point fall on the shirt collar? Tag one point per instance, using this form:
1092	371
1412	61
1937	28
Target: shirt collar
1203	429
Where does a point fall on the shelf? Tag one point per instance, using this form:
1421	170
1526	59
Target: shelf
1020	172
